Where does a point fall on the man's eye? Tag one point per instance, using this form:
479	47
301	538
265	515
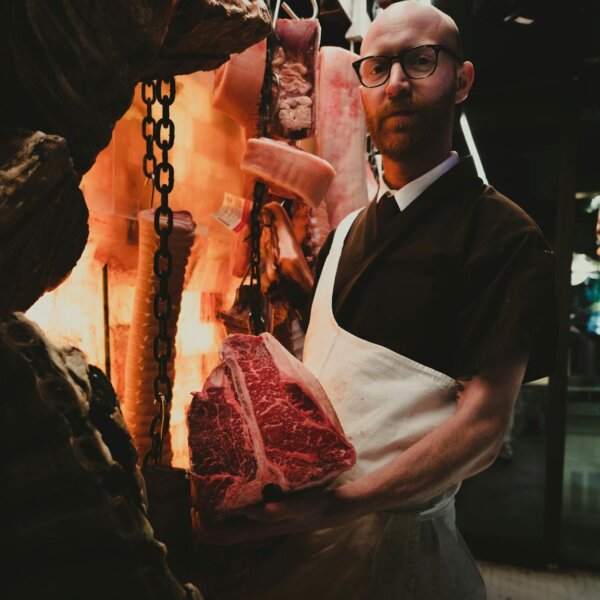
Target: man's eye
420	60
377	68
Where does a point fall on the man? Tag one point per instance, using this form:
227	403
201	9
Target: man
428	305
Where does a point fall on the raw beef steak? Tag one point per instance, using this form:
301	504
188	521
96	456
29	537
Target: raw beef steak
262	419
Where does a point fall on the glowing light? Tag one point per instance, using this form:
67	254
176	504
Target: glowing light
583	267
197	346
519	19
194	337
464	124
72	315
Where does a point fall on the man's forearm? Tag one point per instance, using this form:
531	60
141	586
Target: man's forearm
465	444
461	447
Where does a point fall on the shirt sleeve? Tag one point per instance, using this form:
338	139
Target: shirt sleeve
507	303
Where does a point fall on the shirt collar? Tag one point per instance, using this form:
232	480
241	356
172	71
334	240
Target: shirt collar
413	189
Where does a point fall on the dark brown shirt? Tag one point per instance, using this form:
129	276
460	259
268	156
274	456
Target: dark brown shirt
461	278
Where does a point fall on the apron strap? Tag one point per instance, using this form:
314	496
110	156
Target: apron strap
342	230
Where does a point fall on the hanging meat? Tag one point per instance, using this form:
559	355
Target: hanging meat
289	244
73	513
285	274
203	33
69	69
319	229
288	171
262	423
43	216
303	178
341	133
295	73
71	66
138	402
237	86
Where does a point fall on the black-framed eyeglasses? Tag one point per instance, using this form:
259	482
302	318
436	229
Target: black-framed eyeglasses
417	63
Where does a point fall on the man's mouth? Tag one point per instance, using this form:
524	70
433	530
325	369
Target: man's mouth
399	118
401	113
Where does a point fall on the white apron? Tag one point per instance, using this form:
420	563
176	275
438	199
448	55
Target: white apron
385	402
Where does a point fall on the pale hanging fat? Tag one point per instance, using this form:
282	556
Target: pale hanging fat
341	132
288	171
141	368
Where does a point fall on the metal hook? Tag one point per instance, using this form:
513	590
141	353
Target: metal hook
292	14
151	178
276	13
275	98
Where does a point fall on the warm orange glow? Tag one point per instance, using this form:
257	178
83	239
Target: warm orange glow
206	156
197	348
194	337
72	315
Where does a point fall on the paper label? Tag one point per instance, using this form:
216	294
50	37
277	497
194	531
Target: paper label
234	212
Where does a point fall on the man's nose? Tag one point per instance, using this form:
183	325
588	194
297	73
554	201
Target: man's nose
398	81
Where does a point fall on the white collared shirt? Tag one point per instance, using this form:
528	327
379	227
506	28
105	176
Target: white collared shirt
413	189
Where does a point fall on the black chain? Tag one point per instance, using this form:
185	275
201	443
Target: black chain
256	320
148	123
164	179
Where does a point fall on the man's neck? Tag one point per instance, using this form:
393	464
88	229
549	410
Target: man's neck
400	172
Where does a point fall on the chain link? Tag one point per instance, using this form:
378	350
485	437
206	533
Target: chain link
163	176
256	320
148	123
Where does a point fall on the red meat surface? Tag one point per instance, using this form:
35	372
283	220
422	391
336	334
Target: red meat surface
262	419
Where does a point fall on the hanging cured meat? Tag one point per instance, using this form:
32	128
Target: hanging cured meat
294	69
295	72
261	423
237	86
73	513
141	368
43	216
289	172
281	252
73	65
319	228
203	33
341	132
69	69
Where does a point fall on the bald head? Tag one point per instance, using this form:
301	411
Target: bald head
411	17
409	118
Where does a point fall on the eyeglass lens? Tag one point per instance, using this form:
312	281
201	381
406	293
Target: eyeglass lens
417	63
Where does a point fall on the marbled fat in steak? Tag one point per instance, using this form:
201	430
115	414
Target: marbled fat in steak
262	419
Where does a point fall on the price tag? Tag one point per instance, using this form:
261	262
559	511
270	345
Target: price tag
234	212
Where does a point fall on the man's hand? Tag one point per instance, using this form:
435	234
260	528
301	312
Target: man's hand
299	512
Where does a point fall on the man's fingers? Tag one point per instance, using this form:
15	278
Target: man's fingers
270	512
295	506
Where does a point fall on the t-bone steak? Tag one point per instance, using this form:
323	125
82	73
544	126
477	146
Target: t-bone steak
261	422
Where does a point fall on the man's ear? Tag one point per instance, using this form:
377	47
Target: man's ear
466	74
